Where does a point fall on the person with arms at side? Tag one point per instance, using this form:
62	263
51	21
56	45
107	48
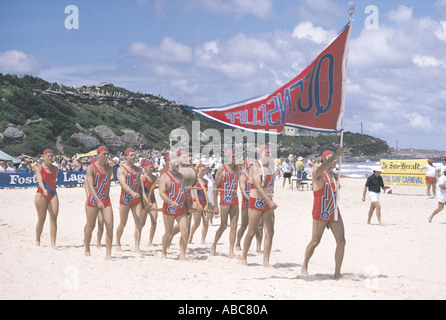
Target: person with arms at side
46	198
173	193
431	178
98	180
226	178
261	204
131	190
373	185
148	179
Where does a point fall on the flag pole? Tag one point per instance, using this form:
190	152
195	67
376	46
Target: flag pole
351	11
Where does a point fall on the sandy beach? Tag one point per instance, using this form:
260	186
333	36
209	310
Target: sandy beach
403	260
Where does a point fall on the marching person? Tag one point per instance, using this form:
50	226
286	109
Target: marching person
325	210
199	203
148	179
226	179
46	198
245	189
261	204
173	193
98	179
131	190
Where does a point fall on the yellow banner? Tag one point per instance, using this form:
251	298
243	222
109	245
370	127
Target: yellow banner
89	154
404	172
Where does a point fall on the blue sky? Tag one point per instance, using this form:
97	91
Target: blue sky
214	52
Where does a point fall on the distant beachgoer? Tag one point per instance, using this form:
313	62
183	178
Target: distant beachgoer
173	193
374	185
131	191
441	195
261	205
226	180
148	180
431	178
98	180
287	170
46	198
325	210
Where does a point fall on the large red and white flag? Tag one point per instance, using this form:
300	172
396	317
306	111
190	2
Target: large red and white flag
313	100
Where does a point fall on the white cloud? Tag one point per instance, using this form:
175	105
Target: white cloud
14	61
169	50
441	31
259	8
306	30
419	121
402	13
427	61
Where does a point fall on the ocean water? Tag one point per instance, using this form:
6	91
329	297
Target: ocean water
358	169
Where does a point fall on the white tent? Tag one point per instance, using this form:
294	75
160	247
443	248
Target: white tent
6	157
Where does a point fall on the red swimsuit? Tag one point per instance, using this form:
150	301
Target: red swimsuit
177	194
228	188
324	201
101	184
49	181
133	182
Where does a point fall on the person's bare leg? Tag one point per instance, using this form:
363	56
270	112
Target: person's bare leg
254	217
268	221
184	225
153	221
259	235
439	208
139	224
337	228
195	225
224	212
371	210
53	211
168	226
205	228
91	214
242	229
233	214
41	207
123	215
108	222
318	231
100	229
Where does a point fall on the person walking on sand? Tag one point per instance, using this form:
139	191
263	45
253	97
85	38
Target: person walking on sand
261	204
199	203
325	210
98	180
131	191
148	179
226	178
373	185
46	198
441	195
245	189
173	193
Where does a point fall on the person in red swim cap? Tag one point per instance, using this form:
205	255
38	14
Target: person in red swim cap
129	177
325	210
46	198
226	180
98	179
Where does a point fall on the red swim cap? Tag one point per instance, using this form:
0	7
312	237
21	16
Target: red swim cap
326	154
101	148
127	151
